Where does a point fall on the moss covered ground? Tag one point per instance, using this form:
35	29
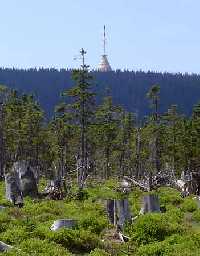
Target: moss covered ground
27	229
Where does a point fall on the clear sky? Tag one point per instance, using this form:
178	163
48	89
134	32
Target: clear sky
159	35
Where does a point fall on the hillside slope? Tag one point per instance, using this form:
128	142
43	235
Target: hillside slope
127	88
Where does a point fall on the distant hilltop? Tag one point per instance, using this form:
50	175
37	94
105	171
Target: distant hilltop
128	88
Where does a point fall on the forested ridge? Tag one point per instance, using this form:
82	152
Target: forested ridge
128	88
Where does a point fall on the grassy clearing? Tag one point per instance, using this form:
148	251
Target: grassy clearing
166	234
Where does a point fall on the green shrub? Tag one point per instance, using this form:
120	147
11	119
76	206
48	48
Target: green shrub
16	252
196	215
78	240
99	252
15	235
172	246
4	220
37	208
149	228
175	245
135	201
94	224
174	216
104	190
158	248
39	247
189	205
169	196
185	248
153	249
81	194
42	231
153	227
45	217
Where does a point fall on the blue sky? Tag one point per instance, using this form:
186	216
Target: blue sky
159	35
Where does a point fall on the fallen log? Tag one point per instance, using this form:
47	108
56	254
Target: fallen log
136	183
184	187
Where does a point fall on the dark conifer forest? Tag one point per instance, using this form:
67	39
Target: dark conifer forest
128	88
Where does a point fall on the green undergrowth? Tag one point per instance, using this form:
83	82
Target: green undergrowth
163	234
180	245
169	197
105	190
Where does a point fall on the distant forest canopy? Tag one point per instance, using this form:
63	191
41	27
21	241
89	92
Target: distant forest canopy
128	88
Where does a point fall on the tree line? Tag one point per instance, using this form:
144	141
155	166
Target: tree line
127	88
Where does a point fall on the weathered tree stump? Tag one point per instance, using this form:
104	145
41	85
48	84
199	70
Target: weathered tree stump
150	204
13	192
27	180
4	247
63	223
118	211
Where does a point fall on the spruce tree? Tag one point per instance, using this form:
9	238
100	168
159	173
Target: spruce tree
155	147
4	92
108	120
82	109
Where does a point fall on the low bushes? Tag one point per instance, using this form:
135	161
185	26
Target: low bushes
95	225
99	252
15	235
175	245
169	197
196	215
33	247
78	240
154	227
28	229
189	205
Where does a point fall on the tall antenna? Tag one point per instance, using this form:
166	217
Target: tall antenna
104	65
104	40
